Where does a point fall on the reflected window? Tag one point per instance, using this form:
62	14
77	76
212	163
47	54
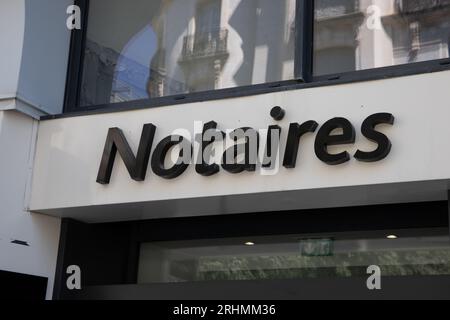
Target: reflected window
141	49
353	35
207	17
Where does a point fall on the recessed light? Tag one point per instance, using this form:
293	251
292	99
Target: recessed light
249	243
392	237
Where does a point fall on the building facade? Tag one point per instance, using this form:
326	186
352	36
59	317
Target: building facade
225	149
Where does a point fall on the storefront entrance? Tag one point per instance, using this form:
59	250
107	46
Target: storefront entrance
325	254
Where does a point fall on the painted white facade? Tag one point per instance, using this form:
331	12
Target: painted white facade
34	45
41	233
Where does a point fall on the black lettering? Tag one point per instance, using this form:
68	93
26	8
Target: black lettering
296	131
204	168
368	130
271	153
160	153
249	149
136	166
325	139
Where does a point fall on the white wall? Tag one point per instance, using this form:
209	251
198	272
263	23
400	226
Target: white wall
17	139
34	46
11	41
69	152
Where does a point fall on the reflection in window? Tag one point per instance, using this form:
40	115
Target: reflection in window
142	49
292	257
355	35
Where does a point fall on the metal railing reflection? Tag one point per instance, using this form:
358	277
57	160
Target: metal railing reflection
415	6
334	8
205	45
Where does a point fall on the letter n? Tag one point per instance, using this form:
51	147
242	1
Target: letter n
136	166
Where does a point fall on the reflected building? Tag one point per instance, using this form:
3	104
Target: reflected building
190	45
207	45
169	47
361	34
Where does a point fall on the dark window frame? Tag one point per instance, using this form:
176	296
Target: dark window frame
76	59
303	72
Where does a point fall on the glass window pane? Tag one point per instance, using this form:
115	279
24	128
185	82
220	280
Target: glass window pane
140	49
294	257
355	35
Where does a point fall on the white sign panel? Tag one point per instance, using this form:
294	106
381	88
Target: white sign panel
416	168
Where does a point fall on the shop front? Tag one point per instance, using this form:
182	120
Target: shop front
229	149
225	149
358	179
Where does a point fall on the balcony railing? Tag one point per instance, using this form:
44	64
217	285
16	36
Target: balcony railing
325	9
416	6
205	45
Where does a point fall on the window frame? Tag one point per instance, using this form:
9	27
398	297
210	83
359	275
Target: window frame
303	71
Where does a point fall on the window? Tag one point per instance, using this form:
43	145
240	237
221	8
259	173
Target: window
355	35
422	253
140	50
207	18
147	49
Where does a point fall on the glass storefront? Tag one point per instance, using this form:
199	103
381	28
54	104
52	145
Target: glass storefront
323	253
294	257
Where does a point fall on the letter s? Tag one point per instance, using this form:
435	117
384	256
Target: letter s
368	130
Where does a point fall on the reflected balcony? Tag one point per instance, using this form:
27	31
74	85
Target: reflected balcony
212	44
418	6
328	9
